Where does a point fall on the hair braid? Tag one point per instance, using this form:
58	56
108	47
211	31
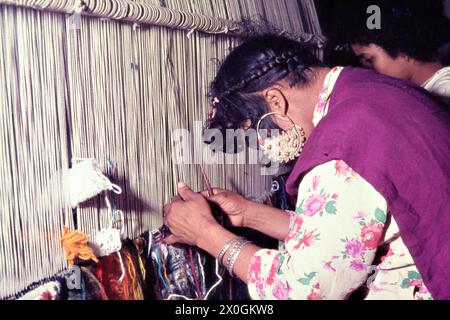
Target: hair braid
288	58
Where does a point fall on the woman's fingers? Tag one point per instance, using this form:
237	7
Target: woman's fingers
187	216
218	198
185	192
166	209
215	192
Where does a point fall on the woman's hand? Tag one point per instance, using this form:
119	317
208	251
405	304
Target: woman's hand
188	217
246	213
233	204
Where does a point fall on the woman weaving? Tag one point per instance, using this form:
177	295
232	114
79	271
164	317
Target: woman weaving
374	173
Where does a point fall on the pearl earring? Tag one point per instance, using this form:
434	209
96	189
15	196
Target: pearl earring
286	146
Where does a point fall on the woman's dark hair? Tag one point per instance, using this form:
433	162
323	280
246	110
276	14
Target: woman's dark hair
253	66
416	28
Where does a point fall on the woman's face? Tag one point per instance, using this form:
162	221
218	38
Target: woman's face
375	57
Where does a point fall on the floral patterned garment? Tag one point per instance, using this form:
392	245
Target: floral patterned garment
333	237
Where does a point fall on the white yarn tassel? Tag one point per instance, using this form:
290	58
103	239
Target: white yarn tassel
85	181
106	242
109	240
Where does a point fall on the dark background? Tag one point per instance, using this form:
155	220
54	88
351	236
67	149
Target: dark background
330	11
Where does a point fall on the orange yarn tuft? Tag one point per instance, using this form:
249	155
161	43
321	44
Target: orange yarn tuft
76	245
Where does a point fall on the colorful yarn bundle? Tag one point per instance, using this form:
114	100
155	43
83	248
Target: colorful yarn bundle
118	286
178	271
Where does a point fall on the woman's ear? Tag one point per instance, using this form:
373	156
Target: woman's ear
276	100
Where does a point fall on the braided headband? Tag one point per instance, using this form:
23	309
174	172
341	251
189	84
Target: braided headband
285	58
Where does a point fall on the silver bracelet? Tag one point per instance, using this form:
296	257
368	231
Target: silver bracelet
226	247
234	254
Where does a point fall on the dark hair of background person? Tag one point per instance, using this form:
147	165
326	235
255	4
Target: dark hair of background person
416	28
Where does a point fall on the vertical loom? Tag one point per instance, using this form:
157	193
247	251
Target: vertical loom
97	83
